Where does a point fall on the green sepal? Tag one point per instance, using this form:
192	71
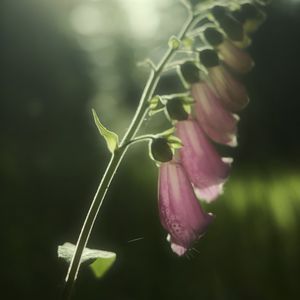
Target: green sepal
187	108
153	102
100	261
111	138
175	110
174	142
190	72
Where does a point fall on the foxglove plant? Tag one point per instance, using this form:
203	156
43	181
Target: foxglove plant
212	46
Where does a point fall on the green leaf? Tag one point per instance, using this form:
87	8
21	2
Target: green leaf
111	138
101	266
100	261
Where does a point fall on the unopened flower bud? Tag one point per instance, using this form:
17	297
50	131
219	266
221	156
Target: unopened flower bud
209	58
218	12
232	27
213	36
160	150
176	110
190	72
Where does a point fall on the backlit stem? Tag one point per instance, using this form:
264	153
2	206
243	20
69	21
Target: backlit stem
116	160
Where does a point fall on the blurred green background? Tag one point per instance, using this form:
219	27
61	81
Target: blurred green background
59	59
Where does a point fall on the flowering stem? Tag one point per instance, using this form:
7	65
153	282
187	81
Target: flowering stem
141	138
116	160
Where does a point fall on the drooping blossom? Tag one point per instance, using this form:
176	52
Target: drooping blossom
217	122
180	212
234	57
250	16
218	93
206	170
232	92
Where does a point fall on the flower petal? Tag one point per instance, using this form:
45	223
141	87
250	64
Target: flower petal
180	212
218	123
205	168
231	91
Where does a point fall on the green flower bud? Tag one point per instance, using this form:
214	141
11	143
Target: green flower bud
190	72
160	150
209	58
175	109
218	12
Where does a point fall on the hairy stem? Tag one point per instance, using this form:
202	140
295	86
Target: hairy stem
115	162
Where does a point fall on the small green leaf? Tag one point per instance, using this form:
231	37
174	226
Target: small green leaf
153	102
111	138
100	266
100	261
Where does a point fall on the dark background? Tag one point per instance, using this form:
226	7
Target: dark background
51	159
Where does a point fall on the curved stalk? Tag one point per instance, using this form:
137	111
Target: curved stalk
116	160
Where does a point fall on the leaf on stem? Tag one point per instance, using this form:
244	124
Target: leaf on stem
100	261
111	138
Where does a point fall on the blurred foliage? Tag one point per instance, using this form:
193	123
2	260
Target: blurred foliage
61	58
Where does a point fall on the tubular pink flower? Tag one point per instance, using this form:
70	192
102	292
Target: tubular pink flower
231	91
218	123
206	170
180	212
236	58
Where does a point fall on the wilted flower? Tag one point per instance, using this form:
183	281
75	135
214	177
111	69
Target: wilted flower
206	170
180	212
218	123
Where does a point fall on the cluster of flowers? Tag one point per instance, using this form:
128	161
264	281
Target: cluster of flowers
197	171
